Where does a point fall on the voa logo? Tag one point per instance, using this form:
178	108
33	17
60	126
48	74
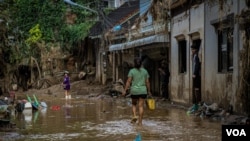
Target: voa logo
236	132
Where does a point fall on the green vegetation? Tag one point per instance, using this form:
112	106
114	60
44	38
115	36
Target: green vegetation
35	35
33	21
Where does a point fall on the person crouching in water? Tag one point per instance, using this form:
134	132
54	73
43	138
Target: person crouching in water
66	85
138	82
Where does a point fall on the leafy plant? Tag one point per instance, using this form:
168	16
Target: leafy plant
31	21
35	34
71	34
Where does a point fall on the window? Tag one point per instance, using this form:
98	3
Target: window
182	45
225	50
112	3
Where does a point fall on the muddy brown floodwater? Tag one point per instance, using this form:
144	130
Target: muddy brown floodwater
108	119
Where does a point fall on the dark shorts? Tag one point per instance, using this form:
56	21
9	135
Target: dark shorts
67	87
197	82
143	96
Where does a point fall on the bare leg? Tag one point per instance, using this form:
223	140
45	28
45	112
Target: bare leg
134	103
134	110
66	94
141	110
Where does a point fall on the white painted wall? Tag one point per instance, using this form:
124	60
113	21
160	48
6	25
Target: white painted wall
179	82
184	25
217	87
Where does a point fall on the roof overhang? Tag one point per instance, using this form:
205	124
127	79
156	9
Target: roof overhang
161	38
177	3
95	37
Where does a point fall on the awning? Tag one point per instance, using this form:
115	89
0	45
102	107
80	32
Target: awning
140	42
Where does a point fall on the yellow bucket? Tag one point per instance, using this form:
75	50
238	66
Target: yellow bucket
151	103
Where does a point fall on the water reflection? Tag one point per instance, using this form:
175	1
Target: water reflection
21	118
67	108
27	113
109	120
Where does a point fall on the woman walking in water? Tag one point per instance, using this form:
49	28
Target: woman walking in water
138	82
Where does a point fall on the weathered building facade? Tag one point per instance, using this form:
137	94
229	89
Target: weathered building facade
187	26
147	38
100	36
213	25
223	46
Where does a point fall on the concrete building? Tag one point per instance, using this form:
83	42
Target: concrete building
167	29
214	27
222	50
147	37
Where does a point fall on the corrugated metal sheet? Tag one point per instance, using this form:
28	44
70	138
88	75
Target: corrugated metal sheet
116	17
140	42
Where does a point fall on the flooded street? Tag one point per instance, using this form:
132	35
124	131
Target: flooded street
108	119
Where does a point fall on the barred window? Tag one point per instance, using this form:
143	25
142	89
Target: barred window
225	50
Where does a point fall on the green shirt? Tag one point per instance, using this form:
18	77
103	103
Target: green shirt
139	77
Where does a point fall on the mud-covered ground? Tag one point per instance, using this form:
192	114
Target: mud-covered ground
77	88
95	114
98	91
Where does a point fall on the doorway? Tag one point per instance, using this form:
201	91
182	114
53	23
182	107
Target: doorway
196	72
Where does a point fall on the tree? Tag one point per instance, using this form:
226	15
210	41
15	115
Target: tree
26	23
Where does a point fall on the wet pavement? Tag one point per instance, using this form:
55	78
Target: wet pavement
108	119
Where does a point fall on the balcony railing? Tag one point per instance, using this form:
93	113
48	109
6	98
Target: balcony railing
144	30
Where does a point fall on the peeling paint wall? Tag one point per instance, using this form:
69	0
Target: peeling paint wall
188	26
221	87
179	82
201	21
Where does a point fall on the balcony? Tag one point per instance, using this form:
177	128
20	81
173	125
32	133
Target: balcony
157	31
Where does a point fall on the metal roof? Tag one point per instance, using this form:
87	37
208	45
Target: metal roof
116	17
